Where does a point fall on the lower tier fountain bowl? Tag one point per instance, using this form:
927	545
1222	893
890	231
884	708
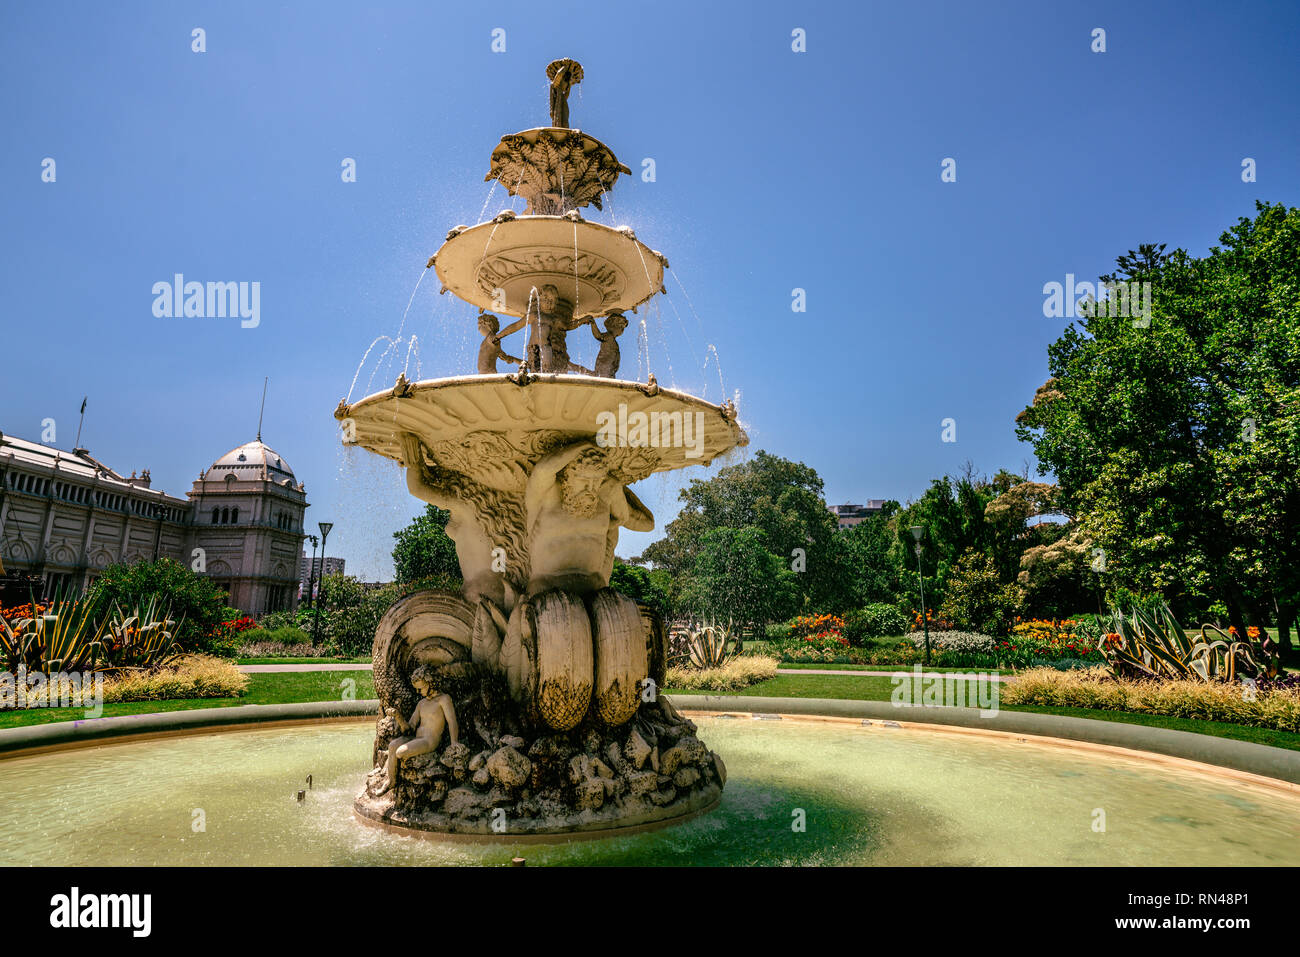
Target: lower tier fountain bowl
798	793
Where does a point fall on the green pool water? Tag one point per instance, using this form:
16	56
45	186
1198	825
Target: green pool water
864	796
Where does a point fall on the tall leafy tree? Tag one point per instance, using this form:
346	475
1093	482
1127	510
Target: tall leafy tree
1175	437
781	498
736	576
424	549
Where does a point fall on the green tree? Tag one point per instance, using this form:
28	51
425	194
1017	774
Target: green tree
976	597
781	498
640	584
1175	438
192	600
737	577
870	573
424	549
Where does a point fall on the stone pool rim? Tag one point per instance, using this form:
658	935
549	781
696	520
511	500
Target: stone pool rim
1211	753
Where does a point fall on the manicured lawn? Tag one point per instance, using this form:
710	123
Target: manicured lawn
287	687
862	688
302	661
840	666
1220	729
283	688
849	687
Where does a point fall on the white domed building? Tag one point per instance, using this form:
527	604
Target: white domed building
248	513
65	516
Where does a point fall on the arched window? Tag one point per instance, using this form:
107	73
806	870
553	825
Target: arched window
216	514
234	515
225	516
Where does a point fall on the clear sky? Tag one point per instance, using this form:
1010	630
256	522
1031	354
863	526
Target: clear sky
775	170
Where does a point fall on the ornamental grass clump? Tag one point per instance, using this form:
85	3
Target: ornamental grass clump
738	673
189	676
1260	706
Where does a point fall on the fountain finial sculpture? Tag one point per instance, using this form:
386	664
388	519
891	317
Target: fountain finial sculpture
547	677
564	75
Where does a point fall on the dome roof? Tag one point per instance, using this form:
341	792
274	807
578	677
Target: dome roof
248	459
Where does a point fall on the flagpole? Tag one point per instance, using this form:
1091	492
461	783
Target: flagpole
263	409
77	445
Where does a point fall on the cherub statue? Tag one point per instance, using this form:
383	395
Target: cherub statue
549	325
432	715
608	358
490	351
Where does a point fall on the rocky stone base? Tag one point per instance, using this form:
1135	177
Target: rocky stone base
506	778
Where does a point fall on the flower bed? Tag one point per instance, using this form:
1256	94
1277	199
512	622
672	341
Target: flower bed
1042	641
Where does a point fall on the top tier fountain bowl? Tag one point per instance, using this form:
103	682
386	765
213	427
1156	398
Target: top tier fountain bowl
526	705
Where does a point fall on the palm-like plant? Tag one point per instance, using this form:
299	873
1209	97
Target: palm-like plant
62	637
711	644
141	639
1149	643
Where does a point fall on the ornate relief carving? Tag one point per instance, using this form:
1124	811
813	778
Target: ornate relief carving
555	170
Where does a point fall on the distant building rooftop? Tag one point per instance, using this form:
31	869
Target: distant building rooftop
848	515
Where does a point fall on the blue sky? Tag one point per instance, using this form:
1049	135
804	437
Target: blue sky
774	170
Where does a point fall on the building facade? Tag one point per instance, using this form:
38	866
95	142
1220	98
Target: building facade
309	571
846	516
66	516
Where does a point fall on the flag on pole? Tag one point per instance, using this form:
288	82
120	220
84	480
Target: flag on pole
83	405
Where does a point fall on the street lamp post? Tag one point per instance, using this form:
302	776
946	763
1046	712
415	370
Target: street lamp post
324	534
311	573
917	532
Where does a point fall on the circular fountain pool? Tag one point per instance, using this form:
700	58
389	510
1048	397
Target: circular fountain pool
865	796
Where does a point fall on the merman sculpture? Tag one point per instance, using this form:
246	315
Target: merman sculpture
550	676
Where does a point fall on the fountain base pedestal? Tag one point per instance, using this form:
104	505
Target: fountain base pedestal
509	778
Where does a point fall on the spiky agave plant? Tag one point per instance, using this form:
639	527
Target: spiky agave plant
65	636
141	639
15	640
1149	643
711	644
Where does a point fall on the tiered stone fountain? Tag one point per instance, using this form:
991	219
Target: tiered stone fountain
527	702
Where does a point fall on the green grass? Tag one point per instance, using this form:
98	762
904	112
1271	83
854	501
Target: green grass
1220	729
863	688
841	666
302	661
288	687
284	688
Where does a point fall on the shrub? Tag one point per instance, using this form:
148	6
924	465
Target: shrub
1152	644
817	626
1041	641
815	650
192	600
740	672
285	635
873	621
976	598
969	642
776	632
190	676
275	649
1277	707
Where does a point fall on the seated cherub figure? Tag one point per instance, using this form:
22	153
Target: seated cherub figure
432	715
490	351
607	359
